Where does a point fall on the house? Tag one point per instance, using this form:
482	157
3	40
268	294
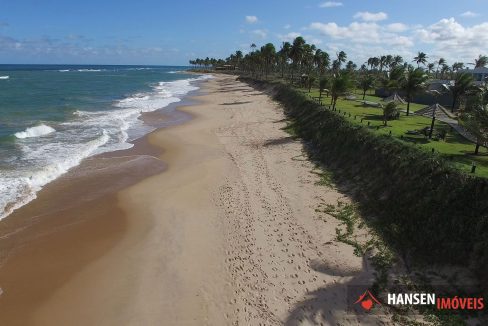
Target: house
480	75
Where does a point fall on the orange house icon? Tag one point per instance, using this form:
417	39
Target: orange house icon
367	300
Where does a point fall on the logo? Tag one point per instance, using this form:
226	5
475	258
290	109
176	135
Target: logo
367	300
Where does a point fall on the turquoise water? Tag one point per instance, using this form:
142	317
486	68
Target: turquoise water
54	116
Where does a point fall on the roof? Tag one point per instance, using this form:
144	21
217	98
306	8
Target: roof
481	70
394	98
440	111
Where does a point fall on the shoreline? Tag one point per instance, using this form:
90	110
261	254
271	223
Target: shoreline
83	199
225	233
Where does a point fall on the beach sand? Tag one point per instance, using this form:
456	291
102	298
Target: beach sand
211	222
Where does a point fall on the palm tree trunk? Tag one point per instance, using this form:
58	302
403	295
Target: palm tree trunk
454	100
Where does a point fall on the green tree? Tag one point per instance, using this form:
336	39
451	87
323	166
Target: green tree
296	53
413	81
341	58
421	58
322	61
268	52
284	55
475	119
366	83
340	85
323	84
310	82
440	63
480	62
390	112
462	84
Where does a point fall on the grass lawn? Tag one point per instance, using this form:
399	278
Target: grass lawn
455	147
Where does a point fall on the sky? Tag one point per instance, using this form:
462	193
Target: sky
173	32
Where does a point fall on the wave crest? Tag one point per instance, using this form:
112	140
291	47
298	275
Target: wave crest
36	131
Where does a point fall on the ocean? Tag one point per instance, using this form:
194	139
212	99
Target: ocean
54	116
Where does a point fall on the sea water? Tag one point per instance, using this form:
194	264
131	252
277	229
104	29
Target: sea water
54	116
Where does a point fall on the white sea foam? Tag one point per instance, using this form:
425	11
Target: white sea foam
18	190
44	159
36	131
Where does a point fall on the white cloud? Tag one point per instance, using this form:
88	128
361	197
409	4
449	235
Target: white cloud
469	14
451	39
371	16
251	19
330	4
315	41
396	27
359	32
364	33
289	37
261	33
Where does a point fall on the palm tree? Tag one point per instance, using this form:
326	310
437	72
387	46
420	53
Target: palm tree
397	60
462	84
444	70
341	83
284	54
456	66
238	57
382	62
310	81
371	62
351	66
321	60
440	63
480	62
395	78
389	61
296	53
308	57
268	52
341	58
475	118
323	84
366	83
413	81
421	58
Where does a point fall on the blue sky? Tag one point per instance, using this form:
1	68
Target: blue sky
172	32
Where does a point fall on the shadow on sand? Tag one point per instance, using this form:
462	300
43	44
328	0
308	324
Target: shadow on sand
333	304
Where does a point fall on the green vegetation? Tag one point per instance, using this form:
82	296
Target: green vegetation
309	68
454	148
419	199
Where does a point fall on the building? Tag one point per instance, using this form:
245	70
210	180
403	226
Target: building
480	75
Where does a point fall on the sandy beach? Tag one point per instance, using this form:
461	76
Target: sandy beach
209	222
